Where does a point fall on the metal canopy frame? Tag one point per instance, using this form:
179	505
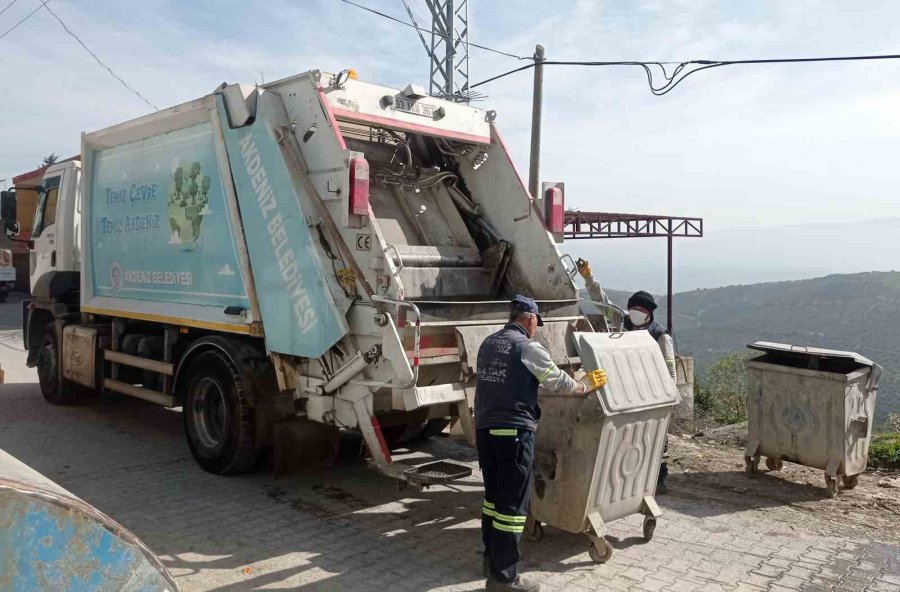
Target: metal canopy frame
585	225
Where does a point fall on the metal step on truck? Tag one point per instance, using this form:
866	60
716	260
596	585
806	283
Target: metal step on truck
317	252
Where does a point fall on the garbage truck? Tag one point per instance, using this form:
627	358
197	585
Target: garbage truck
305	256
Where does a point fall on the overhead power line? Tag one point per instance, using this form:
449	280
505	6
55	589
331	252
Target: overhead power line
412	26
678	74
98	60
681	71
7	6
80	42
16	26
416	25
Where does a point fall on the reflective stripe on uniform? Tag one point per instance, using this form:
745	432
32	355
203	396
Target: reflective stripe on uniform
513	519
508	528
487	508
546	373
505	432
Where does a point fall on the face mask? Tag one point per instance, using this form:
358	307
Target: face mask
637	317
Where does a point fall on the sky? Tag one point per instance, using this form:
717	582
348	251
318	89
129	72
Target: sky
744	147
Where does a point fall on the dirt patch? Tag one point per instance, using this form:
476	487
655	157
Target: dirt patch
702	468
734	436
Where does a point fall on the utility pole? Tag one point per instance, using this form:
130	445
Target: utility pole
534	170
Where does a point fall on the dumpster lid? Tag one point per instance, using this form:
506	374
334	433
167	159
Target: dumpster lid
637	374
769	346
819	352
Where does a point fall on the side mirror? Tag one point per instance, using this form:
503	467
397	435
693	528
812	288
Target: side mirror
8	211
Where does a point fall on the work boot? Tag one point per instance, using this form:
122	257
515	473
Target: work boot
520	584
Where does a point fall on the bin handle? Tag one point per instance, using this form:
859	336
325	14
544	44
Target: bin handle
803	347
570	272
616	335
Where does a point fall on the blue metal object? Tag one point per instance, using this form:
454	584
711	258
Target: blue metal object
51	540
159	223
298	310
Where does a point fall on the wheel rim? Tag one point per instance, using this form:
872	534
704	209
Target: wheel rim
209	413
46	367
600	555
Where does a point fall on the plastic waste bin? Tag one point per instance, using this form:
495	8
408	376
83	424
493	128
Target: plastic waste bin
810	406
597	457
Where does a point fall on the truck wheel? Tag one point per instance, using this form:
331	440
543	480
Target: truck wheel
218	419
55	390
3	296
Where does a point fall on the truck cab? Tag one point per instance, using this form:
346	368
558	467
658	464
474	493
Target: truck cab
55	239
56	236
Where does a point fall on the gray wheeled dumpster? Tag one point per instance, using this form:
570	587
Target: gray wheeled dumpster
597	456
810	406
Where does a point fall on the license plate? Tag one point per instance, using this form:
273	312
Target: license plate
414	107
7	274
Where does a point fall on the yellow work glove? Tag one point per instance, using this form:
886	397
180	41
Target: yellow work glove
584	268
593	380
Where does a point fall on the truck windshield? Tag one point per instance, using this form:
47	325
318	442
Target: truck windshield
45	212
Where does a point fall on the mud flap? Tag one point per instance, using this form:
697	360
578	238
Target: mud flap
300	444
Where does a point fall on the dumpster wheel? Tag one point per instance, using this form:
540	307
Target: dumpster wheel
774	464
751	465
534	531
831	487
850	481
600	550
649	527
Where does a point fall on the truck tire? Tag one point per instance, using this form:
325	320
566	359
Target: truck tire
55	390
3	296
218	420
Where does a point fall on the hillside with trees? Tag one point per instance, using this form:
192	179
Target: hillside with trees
855	312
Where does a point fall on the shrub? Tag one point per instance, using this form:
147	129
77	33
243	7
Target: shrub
722	394
893	422
885	449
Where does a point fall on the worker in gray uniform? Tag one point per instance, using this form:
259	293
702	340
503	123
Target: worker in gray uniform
511	367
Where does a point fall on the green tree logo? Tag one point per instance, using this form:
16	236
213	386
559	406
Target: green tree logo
188	203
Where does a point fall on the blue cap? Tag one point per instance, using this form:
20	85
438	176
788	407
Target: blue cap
526	304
